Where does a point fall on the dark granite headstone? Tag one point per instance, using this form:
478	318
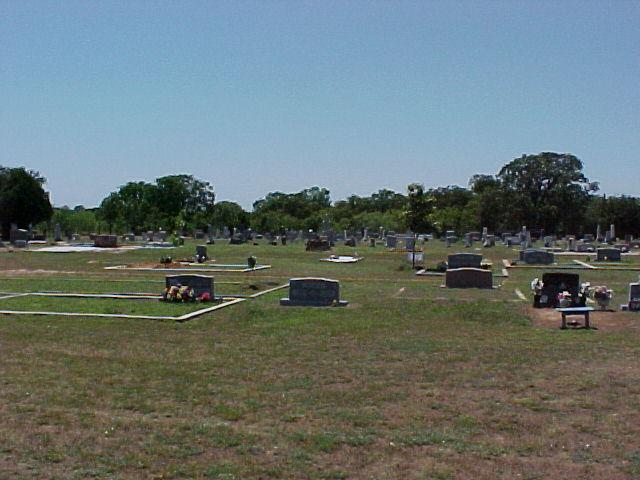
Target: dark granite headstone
634	297
237	239
555	283
464	260
609	254
18	234
313	292
392	241
199	283
537	257
410	243
318	245
106	241
201	253
468	278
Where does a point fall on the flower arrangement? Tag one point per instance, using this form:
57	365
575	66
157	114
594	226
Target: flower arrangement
564	299
184	294
179	293
536	286
602	295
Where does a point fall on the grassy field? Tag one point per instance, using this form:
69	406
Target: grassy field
410	381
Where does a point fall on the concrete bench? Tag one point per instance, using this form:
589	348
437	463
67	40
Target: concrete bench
567	312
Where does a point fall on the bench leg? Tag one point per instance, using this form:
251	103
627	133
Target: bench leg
586	321
564	322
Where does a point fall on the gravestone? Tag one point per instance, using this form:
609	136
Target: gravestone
198	234
106	241
468	278
201	253
57	235
410	243
489	241
607	237
20	243
372	242
448	241
129	237
571	246
612	230
527	239
392	241
468	241
199	283
588	237
318	245
415	257
609	254
464	260
585	247
350	242
18	234
599	237
555	283
313	292
160	236
549	242
537	257
634	297
237	239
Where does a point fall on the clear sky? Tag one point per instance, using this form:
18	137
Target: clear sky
353	96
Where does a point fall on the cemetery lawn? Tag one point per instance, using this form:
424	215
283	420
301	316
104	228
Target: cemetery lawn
410	381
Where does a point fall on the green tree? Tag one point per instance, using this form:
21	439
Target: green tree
302	210
622	211
547	190
487	204
22	198
419	208
111	210
230	215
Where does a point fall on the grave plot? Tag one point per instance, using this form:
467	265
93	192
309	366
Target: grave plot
114	298
190	267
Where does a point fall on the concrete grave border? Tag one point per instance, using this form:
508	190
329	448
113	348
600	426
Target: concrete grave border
227	302
214	269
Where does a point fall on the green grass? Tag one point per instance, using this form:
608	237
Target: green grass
409	381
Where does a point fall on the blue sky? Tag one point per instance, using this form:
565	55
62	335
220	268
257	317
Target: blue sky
353	96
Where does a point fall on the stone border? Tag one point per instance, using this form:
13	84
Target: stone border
227	302
213	270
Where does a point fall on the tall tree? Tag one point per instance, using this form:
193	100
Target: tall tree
302	210
547	190
419	208
22	198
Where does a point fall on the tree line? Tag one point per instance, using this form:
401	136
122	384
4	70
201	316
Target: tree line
546	191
